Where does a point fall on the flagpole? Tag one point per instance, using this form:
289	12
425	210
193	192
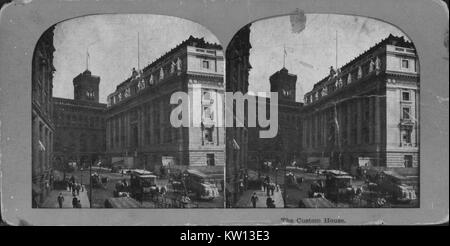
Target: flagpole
87	58
139	67
336	50
284	55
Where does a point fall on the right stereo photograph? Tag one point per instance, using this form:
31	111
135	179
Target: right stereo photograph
322	111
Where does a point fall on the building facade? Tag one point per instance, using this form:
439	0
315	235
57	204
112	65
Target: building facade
139	132
367	112
42	127
80	135
283	149
237	70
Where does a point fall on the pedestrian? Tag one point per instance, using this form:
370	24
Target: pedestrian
72	179
60	200
272	188
245	180
52	180
254	199
272	203
241	186
268	189
74	202
74	190
264	185
69	184
269	202
78	188
162	171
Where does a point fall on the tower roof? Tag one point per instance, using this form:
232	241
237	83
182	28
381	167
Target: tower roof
282	71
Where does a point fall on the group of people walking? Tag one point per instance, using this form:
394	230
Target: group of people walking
75	188
269	188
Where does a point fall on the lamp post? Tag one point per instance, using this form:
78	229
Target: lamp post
284	185
90	182
81	173
276	176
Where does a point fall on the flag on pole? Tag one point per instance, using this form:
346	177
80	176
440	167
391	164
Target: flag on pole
236	145
41	146
87	59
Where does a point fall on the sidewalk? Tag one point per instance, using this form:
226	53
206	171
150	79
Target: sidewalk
245	201
52	199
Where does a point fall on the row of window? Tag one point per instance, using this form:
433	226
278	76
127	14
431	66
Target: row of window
43	146
86	143
79	120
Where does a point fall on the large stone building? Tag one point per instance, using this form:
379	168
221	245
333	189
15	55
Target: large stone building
237	70
138	128
80	124
42	126
284	148
367	112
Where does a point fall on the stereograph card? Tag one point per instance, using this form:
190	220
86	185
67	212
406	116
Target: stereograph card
224	112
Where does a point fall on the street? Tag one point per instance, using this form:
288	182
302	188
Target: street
106	190
295	192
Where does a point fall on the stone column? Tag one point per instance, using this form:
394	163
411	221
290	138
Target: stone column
140	123
349	122
371	119
324	127
107	138
152	122
377	127
358	121
417	120
161	121
127	129
120	132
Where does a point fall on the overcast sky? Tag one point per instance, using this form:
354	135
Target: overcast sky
311	52
112	42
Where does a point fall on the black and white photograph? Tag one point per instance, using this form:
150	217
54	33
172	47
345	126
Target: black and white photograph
212	113
348	118
102	134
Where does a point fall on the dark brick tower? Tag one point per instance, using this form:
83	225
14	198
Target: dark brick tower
86	87
283	83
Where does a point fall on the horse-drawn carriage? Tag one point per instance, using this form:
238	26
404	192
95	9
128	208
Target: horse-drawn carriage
338	186
97	181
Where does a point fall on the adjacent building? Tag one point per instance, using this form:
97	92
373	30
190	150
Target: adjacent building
237	70
283	149
138	129
367	112
80	134
42	126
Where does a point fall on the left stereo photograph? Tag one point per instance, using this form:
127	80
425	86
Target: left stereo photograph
126	113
